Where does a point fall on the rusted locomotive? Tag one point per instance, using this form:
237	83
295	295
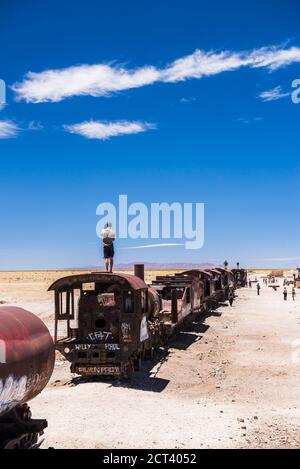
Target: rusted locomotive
26	365
240	277
105	324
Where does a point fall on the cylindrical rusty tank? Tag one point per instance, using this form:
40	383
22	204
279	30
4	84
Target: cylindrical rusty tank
26	357
154	302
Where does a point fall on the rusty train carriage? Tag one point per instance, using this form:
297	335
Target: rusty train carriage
240	277
180	299
205	278
107	327
113	321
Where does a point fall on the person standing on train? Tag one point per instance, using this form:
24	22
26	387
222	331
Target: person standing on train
109	237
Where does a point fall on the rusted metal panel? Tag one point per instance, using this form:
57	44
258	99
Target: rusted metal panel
26	358
154	302
222	269
215	271
76	281
139	271
198	273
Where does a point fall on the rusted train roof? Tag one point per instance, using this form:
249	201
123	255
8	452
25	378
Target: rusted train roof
195	272
75	281
221	269
214	271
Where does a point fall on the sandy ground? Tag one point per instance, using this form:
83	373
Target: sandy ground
230	381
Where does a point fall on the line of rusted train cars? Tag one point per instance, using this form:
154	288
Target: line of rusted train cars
105	324
110	321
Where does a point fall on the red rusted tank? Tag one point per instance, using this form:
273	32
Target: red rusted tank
154	301
26	357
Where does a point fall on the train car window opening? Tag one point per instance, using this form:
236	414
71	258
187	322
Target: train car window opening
63	303
143	301
128	304
110	354
188	295
82	355
207	288
96	355
75	307
180	293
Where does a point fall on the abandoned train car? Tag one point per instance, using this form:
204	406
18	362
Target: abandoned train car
101	322
105	324
240	277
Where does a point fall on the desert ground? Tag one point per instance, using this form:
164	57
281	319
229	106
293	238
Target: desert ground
229	381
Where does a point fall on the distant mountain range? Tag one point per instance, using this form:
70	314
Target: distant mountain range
153	266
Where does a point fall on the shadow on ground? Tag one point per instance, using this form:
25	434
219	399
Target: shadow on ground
146	378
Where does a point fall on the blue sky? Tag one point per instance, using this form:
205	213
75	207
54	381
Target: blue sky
198	72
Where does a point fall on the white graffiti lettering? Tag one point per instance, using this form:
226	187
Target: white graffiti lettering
83	346
99	335
112	347
125	327
12	390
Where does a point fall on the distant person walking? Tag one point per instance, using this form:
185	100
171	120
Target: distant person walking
285	294
108	236
231	296
250	284
258	288
293	293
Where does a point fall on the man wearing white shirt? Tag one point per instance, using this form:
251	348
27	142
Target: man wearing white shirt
108	236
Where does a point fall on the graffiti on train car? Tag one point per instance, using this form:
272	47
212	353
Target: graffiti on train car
12	390
98	370
126	331
112	347
107	346
100	335
84	346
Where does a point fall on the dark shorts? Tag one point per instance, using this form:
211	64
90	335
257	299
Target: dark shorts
108	251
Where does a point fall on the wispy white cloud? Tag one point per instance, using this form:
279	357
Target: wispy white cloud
92	80
187	100
106	79
273	94
247	120
160	245
34	125
102	130
8	129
